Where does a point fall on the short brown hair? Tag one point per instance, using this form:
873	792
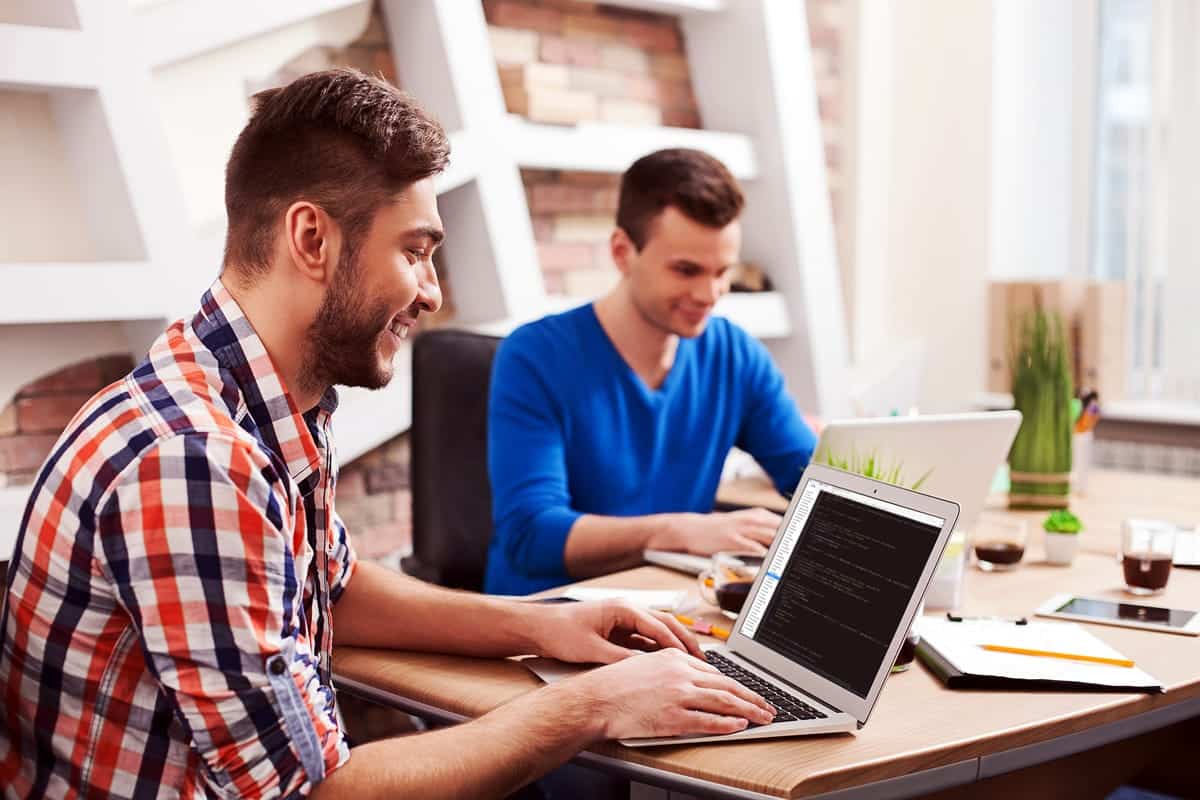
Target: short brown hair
694	182
341	139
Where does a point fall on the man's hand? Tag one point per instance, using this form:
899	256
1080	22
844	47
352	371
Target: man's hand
607	631
667	693
749	531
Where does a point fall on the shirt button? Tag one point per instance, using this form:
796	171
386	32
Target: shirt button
278	667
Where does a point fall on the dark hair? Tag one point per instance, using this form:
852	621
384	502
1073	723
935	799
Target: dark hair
694	182
346	141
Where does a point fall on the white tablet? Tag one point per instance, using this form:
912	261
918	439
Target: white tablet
1127	614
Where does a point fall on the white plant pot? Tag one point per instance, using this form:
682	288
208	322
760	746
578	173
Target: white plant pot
1061	547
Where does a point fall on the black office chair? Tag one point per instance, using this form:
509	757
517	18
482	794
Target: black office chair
451	495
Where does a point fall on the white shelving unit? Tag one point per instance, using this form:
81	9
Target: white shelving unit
750	71
671	6
602	147
761	314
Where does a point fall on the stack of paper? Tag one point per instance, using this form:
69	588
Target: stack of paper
659	599
955	653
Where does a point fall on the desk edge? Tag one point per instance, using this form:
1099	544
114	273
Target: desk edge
901	786
1050	749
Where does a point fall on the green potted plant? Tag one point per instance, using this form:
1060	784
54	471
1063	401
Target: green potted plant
1040	459
1062	537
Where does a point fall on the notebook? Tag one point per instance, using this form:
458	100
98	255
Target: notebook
952	651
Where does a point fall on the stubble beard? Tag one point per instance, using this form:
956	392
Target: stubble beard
341	346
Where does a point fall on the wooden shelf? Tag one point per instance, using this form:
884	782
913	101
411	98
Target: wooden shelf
604	147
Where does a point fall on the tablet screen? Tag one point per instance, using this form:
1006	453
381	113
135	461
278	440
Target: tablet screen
1130	612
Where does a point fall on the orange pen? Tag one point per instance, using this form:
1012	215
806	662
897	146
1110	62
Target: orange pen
700	626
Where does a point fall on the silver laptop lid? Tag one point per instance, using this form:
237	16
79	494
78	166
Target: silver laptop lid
840	585
928	448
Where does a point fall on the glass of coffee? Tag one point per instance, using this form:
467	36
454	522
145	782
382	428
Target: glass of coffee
1147	550
999	542
727	582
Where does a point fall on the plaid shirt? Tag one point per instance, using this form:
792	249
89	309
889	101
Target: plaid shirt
165	629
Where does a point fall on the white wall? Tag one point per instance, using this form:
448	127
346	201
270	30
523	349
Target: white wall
41	206
203	104
923	189
1035	139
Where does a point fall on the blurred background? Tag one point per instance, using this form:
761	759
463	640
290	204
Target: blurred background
917	172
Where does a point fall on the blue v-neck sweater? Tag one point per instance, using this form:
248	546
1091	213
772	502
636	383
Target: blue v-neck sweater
572	430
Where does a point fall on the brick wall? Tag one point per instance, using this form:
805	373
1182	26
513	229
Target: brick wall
375	502
561	61
564	62
37	415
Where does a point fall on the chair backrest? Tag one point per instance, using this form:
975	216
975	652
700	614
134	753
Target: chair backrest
451	494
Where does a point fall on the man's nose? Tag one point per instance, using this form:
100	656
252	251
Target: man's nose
429	290
712	291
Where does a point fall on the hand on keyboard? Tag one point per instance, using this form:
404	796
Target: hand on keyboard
788	707
666	693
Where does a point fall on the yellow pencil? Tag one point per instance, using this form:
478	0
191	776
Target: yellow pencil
704	627
1022	651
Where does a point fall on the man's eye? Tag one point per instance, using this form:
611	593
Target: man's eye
419	255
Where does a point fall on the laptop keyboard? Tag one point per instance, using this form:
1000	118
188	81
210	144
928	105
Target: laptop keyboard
788	708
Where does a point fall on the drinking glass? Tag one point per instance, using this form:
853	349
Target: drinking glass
727	582
1147	550
999	542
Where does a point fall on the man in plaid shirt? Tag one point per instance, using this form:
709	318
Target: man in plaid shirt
168	619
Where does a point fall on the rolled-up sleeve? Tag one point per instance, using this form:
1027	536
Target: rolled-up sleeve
197	536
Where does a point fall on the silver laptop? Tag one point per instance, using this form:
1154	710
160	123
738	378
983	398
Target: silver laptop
831	606
947	455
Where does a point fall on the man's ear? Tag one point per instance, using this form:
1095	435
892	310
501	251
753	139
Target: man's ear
313	240
624	251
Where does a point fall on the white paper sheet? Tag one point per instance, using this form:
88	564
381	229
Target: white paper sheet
551	670
959	643
660	599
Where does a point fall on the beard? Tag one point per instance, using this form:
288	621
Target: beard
341	346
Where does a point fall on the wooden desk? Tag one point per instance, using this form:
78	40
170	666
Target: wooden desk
921	736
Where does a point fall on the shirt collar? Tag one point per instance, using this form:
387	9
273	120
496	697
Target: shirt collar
223	328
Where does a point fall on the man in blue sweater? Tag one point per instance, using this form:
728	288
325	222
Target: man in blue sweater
609	424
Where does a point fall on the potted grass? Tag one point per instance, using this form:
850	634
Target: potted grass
1062	537
1040	459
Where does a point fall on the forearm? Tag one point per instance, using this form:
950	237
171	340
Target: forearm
489	757
384	608
599	545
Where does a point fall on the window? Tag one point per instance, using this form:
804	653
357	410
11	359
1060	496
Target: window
1144	100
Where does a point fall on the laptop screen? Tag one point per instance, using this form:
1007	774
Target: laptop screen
837	586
